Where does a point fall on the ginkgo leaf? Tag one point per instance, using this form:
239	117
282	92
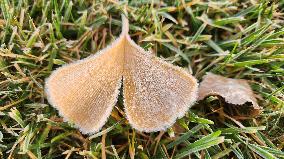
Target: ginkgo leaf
234	91
155	93
85	92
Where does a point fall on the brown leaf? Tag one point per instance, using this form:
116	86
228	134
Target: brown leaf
234	91
155	93
85	92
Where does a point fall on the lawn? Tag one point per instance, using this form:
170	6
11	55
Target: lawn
233	38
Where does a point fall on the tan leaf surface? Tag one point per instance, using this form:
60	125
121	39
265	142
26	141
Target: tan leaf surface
156	93
234	91
85	92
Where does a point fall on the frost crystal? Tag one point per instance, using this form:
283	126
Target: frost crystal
155	93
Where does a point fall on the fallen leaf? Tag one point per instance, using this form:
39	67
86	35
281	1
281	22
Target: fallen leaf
234	91
155	92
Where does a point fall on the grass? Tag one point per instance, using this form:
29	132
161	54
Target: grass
237	39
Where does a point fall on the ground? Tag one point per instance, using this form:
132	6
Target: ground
236	39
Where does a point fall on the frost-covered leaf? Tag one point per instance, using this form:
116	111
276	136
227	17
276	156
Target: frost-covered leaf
85	92
234	91
156	93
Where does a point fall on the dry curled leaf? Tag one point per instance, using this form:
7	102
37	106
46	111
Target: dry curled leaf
234	91
155	93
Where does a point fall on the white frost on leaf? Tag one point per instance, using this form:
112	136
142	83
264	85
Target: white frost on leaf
155	93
